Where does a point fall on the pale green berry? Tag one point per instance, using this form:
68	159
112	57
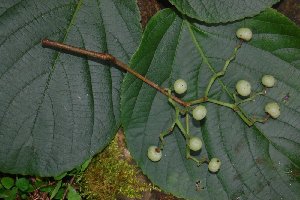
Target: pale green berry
268	80
244	34
243	88
273	109
199	112
214	165
180	86
195	143
154	153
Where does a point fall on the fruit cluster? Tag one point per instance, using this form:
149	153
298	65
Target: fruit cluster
243	88
199	112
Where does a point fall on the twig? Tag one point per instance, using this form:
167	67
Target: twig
109	58
67	189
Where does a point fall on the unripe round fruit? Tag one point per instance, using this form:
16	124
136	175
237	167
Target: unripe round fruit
214	165
154	153
243	88
195	143
244	34
180	86
273	109
268	80
199	112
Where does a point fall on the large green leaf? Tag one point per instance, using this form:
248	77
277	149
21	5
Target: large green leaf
258	162
214	11
57	110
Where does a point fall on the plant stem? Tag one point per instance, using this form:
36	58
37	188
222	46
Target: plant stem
67	189
222	72
229	105
180	126
109	58
244	118
201	100
251	98
234	108
260	120
164	134
187	122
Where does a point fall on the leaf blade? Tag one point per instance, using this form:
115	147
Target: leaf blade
253	166
57	109
216	11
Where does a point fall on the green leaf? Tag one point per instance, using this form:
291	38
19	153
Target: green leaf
3	193
24	196
214	11
7	182
85	165
57	110
30	188
22	184
61	176
7	4
11	194
72	194
258	162
54	192
38	183
47	189
60	193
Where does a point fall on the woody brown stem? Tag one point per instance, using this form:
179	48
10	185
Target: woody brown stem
67	189
109	58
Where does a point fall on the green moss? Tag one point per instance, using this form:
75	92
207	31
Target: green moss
109	176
